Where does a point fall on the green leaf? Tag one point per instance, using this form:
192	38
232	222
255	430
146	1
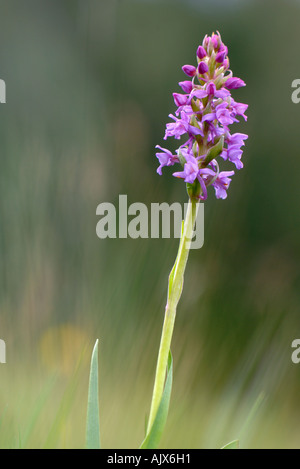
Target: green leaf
214	151
171	276
181	158
92	421
153	437
232	445
194	190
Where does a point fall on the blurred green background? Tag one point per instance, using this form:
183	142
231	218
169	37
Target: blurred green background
89	90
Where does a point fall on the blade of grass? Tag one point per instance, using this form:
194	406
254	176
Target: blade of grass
252	414
232	445
92	421
153	437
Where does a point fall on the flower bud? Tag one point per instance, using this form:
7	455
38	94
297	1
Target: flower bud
201	52
234	83
215	39
211	89
189	70
180	99
186	86
226	64
223	48
202	68
220	57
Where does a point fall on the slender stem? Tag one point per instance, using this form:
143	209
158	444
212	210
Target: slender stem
174	294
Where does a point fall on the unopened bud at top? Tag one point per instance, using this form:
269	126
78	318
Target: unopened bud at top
216	41
186	86
189	70
202	68
220	57
213	43
201	52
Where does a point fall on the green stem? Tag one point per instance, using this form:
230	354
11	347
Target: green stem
174	294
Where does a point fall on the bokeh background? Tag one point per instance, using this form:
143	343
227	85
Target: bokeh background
89	90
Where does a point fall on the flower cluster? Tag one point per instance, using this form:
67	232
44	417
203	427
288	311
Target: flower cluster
205	110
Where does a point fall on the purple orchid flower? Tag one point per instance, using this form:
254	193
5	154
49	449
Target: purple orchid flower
181	126
222	183
191	172
166	158
224	115
204	114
